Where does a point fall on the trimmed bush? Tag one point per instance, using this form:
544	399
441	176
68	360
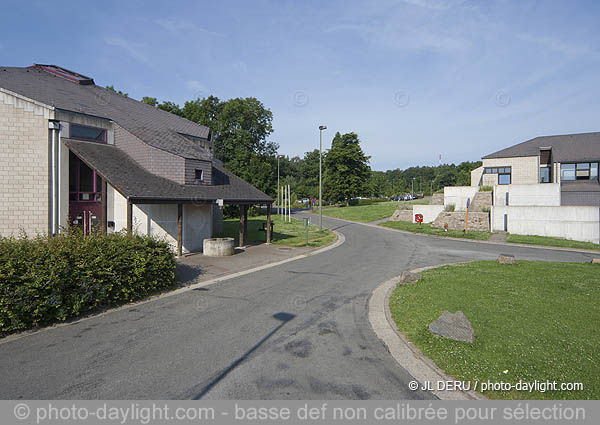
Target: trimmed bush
48	279
486	188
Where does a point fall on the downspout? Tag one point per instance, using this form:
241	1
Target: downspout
53	126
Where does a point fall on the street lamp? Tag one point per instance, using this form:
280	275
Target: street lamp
413	185
321	128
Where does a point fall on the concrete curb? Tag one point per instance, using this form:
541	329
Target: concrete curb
553	248
340	239
402	350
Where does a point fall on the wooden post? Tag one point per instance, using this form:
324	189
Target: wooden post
129	217
268	231
104	207
243	225
179	229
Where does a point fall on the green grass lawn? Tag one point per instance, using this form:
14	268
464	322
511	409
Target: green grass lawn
532	321
542	240
428	229
368	213
289	234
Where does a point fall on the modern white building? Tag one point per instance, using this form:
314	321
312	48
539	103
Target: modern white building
546	186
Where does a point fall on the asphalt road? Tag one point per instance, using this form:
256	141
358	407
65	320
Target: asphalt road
299	331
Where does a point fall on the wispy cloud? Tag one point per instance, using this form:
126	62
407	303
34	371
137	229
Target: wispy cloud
434	4
555	44
180	26
394	36
132	48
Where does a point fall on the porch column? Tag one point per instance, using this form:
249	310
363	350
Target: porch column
129	216
243	224
104	206
179	229
268	231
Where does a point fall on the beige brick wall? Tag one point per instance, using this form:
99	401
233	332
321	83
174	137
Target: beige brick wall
525	169
24	179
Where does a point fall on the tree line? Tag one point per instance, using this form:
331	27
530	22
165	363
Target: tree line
240	128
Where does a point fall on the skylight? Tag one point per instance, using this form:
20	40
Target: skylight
65	73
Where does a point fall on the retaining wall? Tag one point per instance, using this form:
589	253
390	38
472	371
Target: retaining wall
576	223
479	221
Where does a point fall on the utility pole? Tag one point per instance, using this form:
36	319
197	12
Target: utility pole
278	184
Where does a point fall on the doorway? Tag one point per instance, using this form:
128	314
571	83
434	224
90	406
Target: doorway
85	196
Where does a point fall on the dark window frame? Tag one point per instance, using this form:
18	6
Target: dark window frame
581	167
103	130
504	175
201	171
549	170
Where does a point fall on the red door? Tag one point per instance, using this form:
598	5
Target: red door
85	196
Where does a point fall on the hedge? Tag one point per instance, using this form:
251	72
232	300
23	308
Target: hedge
48	279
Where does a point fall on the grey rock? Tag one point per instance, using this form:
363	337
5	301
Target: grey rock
453	326
408	277
506	259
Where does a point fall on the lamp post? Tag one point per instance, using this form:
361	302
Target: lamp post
321	128
413	186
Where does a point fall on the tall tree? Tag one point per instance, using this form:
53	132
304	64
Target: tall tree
346	168
152	101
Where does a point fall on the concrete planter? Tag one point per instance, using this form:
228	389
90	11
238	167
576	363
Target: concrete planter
218	247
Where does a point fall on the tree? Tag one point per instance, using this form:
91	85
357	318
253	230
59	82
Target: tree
150	101
170	107
346	168
308	175
112	89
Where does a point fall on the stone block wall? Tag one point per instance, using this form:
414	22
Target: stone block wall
437	199
24	167
402	215
481	201
479	221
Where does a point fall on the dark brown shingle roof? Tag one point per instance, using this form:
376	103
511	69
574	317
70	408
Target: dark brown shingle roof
157	128
138	184
565	148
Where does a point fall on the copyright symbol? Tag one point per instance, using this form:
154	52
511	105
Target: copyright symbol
300	98
22	411
299	303
413	385
401	98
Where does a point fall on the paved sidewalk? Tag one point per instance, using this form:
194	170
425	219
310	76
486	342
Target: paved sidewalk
196	268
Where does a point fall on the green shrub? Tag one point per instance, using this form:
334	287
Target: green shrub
450	208
48	279
486	188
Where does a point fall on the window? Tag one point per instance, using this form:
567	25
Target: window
567	172
545	174
88	133
199	174
503	178
579	171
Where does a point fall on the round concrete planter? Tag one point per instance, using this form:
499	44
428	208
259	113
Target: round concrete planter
218	247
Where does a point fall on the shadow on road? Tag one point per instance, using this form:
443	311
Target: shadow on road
283	317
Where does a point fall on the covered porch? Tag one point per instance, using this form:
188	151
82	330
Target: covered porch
131	198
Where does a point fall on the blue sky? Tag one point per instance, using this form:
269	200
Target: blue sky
414	78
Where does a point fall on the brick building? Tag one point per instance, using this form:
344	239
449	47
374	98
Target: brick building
74	153
569	161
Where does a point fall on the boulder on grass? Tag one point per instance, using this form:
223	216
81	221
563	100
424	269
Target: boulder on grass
453	326
506	259
407	277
